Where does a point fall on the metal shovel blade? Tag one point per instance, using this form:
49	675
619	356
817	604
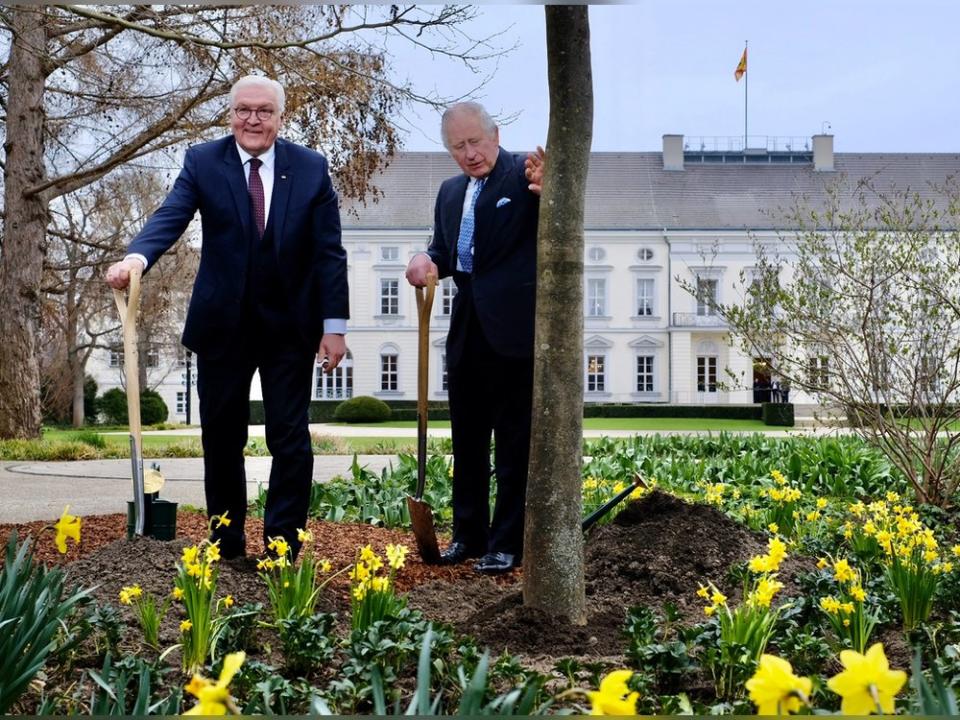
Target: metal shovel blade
139	506
421	519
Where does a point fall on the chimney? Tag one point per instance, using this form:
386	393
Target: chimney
823	153
673	152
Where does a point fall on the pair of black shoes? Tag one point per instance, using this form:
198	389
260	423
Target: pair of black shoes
491	563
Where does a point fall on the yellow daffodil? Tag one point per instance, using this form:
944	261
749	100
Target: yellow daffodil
380	584
759	564
304	535
177	594
778	477
821	503
68	526
822	563
214	697
186	626
212	553
765	591
857	593
843	572
718	598
955	550
709	610
325	566
195	570
867	684
280	546
775	690
228	601
265	564
222	520
397	555
703	592
614	697
367	554
360	592
830	605
190	555
773	527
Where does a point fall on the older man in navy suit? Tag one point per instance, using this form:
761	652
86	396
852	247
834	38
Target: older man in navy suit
484	235
270	295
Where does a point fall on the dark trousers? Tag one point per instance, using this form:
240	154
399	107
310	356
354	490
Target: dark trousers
223	384
490	394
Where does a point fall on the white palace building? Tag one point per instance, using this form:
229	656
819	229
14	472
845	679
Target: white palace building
688	212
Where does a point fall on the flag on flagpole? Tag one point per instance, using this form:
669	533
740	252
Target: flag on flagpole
741	66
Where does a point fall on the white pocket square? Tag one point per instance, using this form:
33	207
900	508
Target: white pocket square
502	201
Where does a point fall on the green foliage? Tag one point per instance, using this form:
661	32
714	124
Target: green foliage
780	414
113	405
655	648
90	408
933	697
106	623
307	641
153	409
362	409
124	688
34	602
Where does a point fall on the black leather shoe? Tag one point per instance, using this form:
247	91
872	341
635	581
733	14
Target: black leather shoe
498	562
456	553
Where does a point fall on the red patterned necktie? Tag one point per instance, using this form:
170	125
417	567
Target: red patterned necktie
255	186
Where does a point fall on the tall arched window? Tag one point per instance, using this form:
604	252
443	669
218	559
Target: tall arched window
336	386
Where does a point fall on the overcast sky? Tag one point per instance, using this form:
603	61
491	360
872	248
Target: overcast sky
885	75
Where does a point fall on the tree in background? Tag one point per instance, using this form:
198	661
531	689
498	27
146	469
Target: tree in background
859	305
89	89
553	573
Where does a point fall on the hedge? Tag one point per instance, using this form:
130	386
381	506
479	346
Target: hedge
780	414
362	409
322	411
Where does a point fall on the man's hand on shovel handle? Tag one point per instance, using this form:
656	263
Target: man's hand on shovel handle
118	274
420	266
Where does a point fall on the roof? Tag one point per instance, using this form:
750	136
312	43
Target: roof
632	191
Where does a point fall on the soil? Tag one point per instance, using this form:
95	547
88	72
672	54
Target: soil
656	551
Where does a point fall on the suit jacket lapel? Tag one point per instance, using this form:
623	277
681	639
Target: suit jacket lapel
455	214
233	169
483	213
282	182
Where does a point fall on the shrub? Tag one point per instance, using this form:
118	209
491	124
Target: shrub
113	405
362	409
778	414
153	409
90	408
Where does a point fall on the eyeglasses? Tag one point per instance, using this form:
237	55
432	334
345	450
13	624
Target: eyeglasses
263	114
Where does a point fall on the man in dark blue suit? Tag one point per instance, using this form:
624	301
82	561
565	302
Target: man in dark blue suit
485	236
270	295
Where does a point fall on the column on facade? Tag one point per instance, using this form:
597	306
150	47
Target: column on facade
681	368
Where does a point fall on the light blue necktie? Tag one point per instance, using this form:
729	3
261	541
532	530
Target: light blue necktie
465	241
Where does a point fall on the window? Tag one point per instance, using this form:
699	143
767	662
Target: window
596	297
645	297
389	253
596	254
644	373
388	372
153	357
338	385
181	403
444	376
596	376
448	291
116	357
818	370
706	373
389	296
645	254
706	296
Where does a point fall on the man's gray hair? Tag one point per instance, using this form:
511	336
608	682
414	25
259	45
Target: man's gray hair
469	107
260	81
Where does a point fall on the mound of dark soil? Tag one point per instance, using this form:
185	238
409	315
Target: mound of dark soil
657	551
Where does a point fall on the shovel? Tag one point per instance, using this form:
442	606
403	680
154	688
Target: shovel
421	516
131	368
592	518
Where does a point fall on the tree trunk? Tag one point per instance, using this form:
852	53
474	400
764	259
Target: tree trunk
553	570
21	265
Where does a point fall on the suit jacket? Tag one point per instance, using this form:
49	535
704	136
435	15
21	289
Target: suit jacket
304	221
502	287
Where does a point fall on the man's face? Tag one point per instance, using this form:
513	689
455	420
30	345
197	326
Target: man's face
474	149
255	135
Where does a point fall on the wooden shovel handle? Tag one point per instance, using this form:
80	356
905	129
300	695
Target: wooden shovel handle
424	308
128	309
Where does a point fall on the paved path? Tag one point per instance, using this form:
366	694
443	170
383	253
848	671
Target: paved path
40	490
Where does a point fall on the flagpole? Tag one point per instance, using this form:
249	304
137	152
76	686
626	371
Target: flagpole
746	83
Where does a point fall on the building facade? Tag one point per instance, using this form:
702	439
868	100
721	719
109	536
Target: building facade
654	222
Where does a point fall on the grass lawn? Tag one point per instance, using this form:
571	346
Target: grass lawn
701	424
